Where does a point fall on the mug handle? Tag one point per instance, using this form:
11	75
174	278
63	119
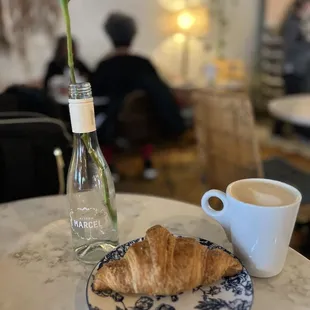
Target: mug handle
219	216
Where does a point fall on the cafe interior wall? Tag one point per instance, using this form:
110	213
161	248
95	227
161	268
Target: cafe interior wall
87	18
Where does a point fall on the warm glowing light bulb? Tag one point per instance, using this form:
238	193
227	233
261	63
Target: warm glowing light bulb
186	20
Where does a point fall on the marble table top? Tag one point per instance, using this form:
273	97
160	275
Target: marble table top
38	270
294	109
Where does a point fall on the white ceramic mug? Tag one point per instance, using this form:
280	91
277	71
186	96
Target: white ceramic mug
260	234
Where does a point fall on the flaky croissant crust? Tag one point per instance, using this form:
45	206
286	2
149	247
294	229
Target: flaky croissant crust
163	264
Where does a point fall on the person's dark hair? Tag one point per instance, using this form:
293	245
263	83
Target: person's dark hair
297	5
121	29
61	47
291	13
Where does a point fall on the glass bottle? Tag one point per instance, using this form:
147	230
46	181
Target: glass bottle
90	187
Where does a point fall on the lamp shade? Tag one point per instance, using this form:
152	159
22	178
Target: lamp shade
192	20
177	5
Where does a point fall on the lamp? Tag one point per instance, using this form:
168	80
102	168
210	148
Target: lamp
183	21
191	22
186	20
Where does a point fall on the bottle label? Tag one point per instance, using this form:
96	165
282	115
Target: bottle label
82	115
88	223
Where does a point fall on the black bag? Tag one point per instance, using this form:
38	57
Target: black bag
35	151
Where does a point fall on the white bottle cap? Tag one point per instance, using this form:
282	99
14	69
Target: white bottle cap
82	115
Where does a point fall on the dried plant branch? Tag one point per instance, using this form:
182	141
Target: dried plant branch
20	19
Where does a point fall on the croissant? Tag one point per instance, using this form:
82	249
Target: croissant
163	264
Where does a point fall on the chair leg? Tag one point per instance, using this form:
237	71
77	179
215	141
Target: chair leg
60	170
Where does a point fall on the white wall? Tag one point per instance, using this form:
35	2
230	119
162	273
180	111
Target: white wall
242	37
87	24
87	18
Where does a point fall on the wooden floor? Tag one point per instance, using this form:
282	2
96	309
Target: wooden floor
180	177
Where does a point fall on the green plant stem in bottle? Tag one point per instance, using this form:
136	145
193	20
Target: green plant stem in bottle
90	187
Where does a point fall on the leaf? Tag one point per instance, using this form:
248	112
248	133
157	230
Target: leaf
144	303
117	297
213	290
239	304
212	304
165	307
196	289
201	305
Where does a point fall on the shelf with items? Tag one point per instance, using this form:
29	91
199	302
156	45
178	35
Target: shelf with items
270	83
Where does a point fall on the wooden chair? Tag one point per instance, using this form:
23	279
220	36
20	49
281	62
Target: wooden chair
139	125
136	120
225	132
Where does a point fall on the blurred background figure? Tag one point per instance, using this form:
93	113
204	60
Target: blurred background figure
296	45
57	76
120	73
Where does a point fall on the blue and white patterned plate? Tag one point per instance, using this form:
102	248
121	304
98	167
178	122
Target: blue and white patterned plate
234	293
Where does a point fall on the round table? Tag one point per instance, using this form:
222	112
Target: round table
38	270
294	109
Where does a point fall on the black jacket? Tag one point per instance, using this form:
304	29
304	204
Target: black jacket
117	76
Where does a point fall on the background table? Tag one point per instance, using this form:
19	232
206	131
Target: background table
294	109
38	271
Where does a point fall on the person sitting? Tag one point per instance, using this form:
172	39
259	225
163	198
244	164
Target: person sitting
122	72
296	48
57	77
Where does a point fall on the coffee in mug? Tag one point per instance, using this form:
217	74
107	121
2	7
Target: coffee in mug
262	194
259	217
